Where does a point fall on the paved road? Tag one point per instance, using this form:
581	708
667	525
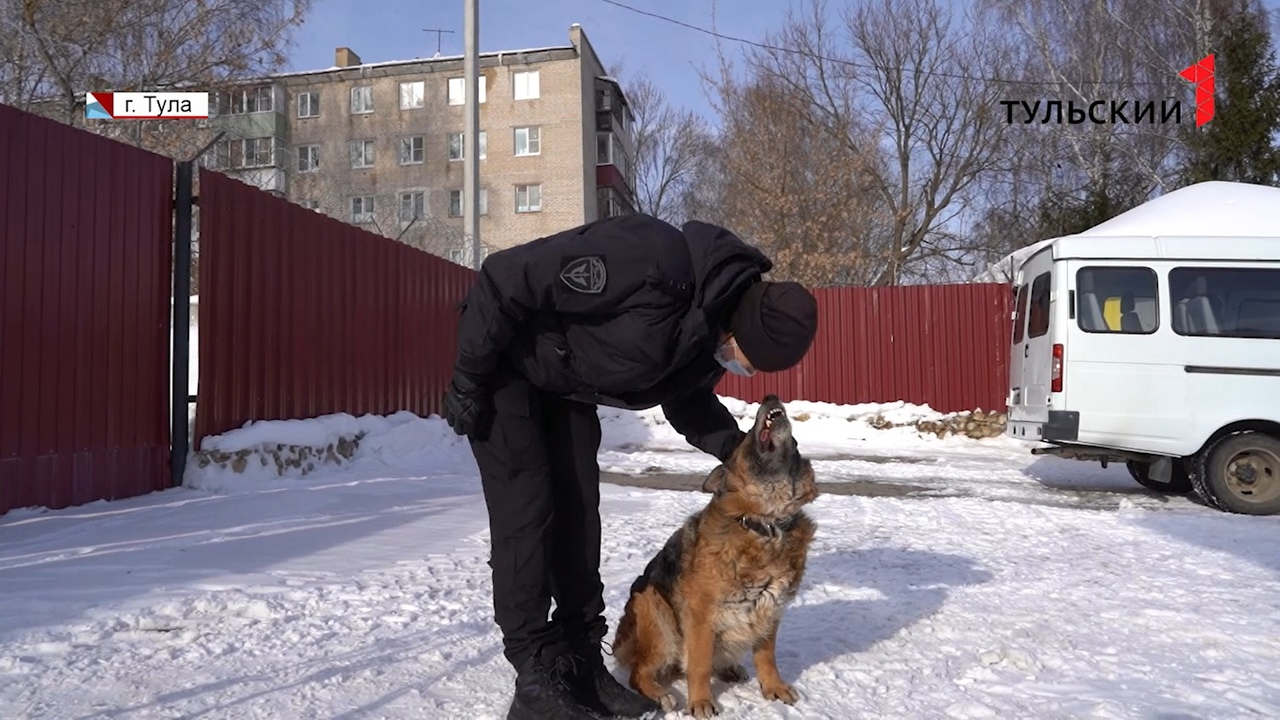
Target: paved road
858	476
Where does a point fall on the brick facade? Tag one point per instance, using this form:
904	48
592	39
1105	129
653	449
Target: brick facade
322	111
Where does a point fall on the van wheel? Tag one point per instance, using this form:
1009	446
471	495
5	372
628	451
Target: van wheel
1241	474
1179	481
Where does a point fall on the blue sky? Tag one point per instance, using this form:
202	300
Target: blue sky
380	30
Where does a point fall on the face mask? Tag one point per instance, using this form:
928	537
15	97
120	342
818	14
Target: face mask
725	356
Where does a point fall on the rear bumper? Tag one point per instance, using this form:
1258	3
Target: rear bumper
1062	426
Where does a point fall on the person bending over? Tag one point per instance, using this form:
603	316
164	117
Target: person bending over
628	312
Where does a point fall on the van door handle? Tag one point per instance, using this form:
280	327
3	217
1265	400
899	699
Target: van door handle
1026	351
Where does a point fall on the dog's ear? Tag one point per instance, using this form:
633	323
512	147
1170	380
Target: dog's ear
716	481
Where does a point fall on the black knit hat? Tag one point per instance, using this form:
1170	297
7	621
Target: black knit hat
774	324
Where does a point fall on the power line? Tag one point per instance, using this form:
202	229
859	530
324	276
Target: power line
865	66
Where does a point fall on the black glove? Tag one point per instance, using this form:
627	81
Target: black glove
468	407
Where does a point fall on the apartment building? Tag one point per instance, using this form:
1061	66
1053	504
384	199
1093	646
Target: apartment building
380	145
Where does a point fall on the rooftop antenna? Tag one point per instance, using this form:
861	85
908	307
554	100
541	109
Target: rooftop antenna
439	35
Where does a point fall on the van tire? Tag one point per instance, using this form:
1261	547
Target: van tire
1179	480
1241	474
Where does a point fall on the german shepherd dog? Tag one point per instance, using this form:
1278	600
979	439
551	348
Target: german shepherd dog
720	584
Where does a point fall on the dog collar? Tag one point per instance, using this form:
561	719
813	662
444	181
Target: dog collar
771	530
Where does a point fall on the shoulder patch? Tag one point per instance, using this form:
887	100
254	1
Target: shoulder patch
584	274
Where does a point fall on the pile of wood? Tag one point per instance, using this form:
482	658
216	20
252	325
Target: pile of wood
978	425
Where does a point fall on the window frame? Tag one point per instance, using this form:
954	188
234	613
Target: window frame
314	166
410	194
1191	271
530	208
1021	303
1155	295
532	90
461	84
371	212
419	97
419	152
462	146
1047	278
532	137
355	90
373	156
461	195
313	104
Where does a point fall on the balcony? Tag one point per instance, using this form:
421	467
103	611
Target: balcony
258	161
612	112
251	111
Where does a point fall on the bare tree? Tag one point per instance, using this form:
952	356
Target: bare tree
1126	52
54	51
670	144
785	182
901	95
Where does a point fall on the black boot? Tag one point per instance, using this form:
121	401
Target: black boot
596	687
544	689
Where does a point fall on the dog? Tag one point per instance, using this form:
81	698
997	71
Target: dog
720	584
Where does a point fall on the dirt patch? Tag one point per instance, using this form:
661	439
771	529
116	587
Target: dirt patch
693	483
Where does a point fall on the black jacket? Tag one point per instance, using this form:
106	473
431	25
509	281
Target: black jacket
625	312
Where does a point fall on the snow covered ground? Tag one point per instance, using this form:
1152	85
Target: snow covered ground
1012	591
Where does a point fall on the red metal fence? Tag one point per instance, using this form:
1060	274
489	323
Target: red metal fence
85	250
302	315
941	345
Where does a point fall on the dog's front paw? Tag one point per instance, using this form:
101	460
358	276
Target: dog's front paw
733	674
668	702
703	708
779	691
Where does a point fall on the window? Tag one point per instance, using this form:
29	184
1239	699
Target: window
1117	300
246	100
457	148
362	153
610	203
362	209
310	204
308	104
245	153
609	152
528	198
1038	322
455	202
413	95
526	85
458	90
412	150
528	141
413	206
463	257
1020	314
361	99
308	158
1226	302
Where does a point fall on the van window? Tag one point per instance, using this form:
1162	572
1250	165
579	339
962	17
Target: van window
1226	302
1038	321
1020	314
1120	300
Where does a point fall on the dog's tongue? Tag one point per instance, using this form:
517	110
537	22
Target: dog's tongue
766	437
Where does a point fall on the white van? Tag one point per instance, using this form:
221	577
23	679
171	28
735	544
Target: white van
1154	339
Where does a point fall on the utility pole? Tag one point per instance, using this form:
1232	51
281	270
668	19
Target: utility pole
471	136
439	35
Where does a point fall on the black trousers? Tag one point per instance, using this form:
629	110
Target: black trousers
541	483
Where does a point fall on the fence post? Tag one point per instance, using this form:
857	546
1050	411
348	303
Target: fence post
181	322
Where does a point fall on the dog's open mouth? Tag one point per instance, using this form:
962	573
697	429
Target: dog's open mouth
766	432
